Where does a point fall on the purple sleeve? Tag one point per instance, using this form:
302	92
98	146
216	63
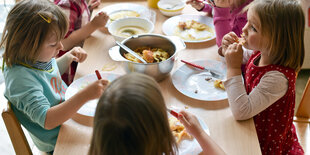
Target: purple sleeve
226	21
207	8
222	23
240	21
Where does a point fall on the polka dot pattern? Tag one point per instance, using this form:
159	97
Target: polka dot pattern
274	126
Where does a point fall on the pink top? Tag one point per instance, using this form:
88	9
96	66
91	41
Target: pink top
274	125
226	20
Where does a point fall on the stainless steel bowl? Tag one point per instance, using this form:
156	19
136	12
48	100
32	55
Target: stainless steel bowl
160	70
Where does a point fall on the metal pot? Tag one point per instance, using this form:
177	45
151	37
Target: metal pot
160	70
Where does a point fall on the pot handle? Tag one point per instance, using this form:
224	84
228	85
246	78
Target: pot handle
115	55
178	42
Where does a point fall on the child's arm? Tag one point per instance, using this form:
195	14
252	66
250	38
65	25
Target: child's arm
271	87
233	56
76	37
93	4
60	113
192	125
77	54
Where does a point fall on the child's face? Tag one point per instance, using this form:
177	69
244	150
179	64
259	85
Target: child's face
252	32
50	48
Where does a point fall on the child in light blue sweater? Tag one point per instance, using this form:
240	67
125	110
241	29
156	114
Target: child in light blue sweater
34	87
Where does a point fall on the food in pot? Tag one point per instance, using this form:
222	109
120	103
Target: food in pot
150	55
128	31
193	30
178	130
123	14
219	84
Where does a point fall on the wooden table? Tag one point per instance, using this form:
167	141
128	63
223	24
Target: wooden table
234	137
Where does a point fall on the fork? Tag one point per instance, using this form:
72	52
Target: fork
216	75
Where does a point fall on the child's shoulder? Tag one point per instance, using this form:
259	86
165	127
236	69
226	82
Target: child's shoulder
19	73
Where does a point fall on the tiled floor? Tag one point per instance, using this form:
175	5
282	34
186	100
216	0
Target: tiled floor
5	142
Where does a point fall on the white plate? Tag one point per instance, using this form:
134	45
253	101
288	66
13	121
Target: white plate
140	9
192	82
170	25
187	146
89	108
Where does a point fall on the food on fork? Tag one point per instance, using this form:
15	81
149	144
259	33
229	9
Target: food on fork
150	55
178	130
241	40
219	84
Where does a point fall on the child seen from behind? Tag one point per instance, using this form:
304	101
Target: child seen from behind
31	38
274	34
131	118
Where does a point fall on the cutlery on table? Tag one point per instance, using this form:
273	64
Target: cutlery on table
98	75
173	113
176	115
216	75
130	51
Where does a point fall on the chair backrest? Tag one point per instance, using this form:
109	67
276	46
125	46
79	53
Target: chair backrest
16	133
303	111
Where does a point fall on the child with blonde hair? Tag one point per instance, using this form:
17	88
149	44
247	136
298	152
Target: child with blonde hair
131	118
274	34
80	27
227	15
31	38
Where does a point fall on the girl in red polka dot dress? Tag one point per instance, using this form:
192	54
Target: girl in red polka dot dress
273	52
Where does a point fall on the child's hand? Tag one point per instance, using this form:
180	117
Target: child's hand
191	123
234	56
222	3
93	4
228	3
227	40
100	19
197	4
95	89
77	54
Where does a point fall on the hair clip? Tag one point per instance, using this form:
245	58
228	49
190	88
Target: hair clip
48	20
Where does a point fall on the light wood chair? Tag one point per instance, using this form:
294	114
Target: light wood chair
302	119
16	133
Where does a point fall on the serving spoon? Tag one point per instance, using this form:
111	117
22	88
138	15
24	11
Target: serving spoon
130	51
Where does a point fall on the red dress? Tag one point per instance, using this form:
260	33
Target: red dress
274	126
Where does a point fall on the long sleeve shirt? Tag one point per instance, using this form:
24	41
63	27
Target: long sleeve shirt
226	20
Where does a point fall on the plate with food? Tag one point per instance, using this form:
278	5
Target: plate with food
190	28
186	143
201	84
89	108
123	10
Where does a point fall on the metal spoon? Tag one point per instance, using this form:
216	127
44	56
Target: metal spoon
130	51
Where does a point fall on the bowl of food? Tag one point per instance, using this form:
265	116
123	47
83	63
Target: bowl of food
126	27
171	7
159	51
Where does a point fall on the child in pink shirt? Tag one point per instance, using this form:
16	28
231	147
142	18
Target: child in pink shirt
227	15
